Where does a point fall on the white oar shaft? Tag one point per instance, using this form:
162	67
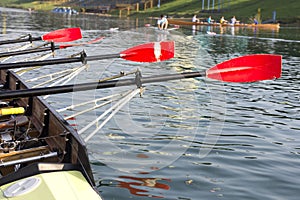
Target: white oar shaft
48	81
113	98
87	102
50	75
123	102
67	78
101	116
22	71
20	48
92	108
88	110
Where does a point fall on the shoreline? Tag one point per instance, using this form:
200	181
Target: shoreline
142	15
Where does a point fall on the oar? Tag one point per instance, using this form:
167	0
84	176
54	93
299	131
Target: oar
61	35
149	52
20	120
249	68
50	48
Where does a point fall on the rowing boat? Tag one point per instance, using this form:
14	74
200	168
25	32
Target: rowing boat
43	157
182	22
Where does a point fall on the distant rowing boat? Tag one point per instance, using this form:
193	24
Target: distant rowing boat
65	10
182	22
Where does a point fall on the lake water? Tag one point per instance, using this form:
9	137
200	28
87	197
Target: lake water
187	139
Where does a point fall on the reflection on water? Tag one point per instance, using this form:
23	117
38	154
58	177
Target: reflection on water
4	25
142	187
205	138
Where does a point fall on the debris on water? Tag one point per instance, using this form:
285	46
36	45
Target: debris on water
141	155
215	189
188	182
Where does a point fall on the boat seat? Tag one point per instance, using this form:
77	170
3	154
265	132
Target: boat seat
37	168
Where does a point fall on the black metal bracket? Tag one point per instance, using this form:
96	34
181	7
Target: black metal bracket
138	81
52	48
83	57
30	38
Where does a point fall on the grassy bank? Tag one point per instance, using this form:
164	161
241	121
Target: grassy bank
286	11
26	4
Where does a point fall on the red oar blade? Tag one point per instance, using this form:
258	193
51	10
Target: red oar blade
150	52
249	68
63	35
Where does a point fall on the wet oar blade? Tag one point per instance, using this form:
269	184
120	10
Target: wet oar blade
150	52
247	68
63	35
